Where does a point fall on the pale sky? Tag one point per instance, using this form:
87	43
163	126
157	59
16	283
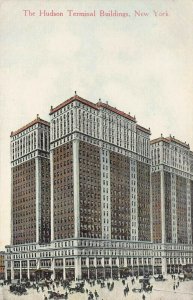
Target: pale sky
142	65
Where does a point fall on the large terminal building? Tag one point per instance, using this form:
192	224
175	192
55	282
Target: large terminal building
92	197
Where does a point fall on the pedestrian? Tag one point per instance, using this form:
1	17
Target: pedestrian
174	287
143	297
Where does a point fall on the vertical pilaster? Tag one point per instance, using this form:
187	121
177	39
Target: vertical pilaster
151	208
44	145
111	266
52	194
105	193
101	137
87	264
38	198
189	233
103	265
77	265
11	219
132	265
133	201
125	262
163	206
153	264
164	265
34	140
20	271
173	209
5	272
75	120
95	265
76	188
37	264
53	269
118	265
28	274
64	269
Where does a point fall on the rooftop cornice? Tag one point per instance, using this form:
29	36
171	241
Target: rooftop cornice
37	120
168	140
70	100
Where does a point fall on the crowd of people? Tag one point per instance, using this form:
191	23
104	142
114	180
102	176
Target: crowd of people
62	289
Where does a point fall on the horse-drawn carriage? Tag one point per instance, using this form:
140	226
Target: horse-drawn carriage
18	289
57	296
159	277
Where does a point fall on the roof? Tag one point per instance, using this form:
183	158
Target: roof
169	140
115	110
97	106
37	120
70	100
160	139
143	129
173	139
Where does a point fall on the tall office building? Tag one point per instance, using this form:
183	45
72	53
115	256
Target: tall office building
100	173
88	203
172	195
30	177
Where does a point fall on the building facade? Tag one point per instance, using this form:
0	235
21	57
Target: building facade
30	179
100	178
101	202
2	265
172	196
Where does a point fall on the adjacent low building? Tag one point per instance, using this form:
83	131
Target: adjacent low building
2	265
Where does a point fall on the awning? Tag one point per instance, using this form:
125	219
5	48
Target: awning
44	270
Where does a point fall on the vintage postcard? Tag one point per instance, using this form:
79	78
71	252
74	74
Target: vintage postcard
96	149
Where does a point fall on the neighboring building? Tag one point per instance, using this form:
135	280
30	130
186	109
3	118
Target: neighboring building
97	202
2	265
191	188
172	194
30	176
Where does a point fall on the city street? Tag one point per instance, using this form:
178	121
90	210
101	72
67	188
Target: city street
161	291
